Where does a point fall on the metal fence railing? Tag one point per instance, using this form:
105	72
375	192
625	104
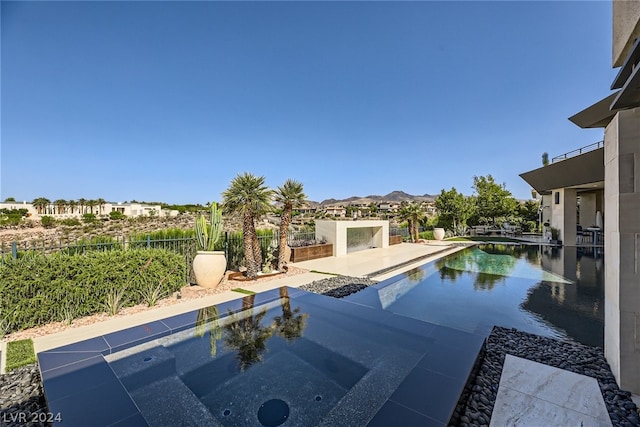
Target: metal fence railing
232	244
579	151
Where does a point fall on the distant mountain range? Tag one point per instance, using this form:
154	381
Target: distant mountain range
394	196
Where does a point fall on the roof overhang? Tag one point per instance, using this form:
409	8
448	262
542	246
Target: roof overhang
628	79
597	115
573	172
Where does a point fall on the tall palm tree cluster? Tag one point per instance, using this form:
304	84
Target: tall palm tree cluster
249	198
412	213
61	206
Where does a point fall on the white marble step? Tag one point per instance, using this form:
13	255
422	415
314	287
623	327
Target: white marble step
533	394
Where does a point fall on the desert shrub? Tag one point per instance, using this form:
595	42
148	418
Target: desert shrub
116	215
70	222
88	218
39	289
95	243
48	221
427	235
298	243
12	217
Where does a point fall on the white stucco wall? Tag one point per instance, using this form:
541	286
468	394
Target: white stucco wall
335	232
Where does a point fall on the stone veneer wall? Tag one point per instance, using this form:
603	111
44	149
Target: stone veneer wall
622	248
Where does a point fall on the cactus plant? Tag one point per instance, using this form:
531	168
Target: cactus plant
207	235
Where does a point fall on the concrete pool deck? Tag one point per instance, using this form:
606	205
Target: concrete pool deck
378	264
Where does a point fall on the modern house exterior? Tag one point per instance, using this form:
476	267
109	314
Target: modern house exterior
607	178
572	190
59	212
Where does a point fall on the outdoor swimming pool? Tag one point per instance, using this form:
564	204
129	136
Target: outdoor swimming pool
281	357
397	353
545	290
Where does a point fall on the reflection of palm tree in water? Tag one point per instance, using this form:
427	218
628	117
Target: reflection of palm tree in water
489	265
486	282
291	324
415	275
209	316
245	334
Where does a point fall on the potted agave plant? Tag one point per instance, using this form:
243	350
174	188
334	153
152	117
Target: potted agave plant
209	265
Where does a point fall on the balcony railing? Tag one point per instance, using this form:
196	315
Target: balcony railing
579	151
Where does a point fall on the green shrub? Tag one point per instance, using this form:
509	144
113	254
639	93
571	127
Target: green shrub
427	235
20	353
88	218
116	215
40	289
70	222
10	217
48	221
96	243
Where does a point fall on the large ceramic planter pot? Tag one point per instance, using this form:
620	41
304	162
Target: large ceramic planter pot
438	233
209	268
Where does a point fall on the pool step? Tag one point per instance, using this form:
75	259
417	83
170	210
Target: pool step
145	367
169	402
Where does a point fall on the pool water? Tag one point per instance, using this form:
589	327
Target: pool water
397	353
281	357
248	368
549	291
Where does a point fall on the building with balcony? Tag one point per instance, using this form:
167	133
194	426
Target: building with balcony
572	190
608	178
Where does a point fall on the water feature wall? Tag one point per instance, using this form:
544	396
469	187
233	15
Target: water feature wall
359	239
347	236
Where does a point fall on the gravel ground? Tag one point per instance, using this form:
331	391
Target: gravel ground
22	399
338	286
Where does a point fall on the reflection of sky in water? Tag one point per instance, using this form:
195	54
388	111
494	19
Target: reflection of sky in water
478	261
475	290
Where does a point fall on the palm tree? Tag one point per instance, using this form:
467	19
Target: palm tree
291	195
101	202
82	202
412	213
91	204
40	204
72	205
248	197
60	204
373	208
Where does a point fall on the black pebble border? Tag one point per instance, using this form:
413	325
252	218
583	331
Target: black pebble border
22	400
590	361
338	286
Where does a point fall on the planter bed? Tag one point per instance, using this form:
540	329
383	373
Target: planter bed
395	240
306	253
240	276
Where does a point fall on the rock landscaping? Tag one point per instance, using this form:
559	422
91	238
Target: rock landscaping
338	286
22	400
571	356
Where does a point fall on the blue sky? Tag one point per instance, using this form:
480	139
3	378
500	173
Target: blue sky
168	101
